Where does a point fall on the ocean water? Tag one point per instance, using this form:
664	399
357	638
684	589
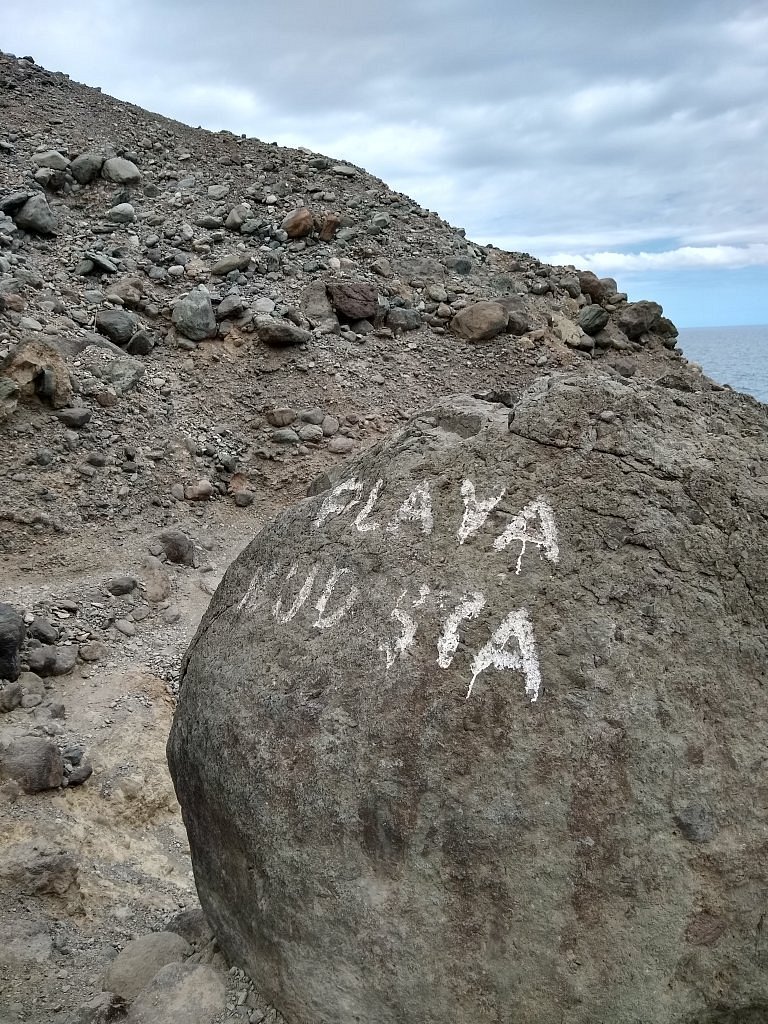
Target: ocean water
731	355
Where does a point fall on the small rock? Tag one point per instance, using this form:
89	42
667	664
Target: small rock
121	171
123	213
118	325
177	546
137	964
125	626
51	158
341	445
85	167
36	216
354	300
12	633
74	418
299	223
236	261
122	585
280	334
193	316
35	764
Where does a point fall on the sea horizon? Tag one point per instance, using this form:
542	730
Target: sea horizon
736	355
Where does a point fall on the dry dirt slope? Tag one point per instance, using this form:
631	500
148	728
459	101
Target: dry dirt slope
326	309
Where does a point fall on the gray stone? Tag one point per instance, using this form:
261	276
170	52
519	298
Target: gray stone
403	318
51	158
316	305
230	306
121	171
136	965
467	701
177	547
181	994
310	432
37	216
593	318
637	318
12	633
217	191
117	324
340	445
281	334
123	213
285	435
75	418
236	261
34	763
193	316
85	167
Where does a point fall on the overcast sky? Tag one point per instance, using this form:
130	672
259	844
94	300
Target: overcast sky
627	136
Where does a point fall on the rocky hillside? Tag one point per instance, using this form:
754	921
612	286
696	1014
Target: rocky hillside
193	327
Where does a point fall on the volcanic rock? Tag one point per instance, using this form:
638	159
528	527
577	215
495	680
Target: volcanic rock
478	727
12	633
193	316
281	334
353	300
637	318
480	321
299	223
85	167
34	763
121	171
140	961
37	216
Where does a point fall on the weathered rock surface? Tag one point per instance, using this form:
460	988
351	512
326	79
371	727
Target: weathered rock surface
480	321
193	316
140	961
475	734
180	994
34	763
12	632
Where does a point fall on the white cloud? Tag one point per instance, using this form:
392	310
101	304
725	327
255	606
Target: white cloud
685	257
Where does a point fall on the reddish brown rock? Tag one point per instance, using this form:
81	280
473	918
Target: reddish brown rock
354	300
299	223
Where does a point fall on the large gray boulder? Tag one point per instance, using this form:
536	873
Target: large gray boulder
477	732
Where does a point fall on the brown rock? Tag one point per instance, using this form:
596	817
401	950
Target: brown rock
40	371
329	227
481	321
354	300
299	223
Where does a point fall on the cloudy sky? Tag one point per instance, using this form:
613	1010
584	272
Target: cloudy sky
627	136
